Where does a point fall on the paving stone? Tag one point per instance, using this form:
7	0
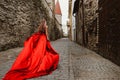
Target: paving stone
87	65
76	63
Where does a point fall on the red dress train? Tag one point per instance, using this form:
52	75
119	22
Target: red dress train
36	59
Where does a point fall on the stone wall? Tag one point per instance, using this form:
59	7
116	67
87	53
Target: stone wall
58	30
101	24
19	19
86	23
109	30
91	16
79	23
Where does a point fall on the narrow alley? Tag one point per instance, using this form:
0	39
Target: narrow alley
76	63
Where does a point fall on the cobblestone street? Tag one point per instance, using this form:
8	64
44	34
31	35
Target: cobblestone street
76	63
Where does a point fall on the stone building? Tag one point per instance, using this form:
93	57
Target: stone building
91	23
69	22
109	30
58	13
97	27
86	15
20	18
55	11
58	18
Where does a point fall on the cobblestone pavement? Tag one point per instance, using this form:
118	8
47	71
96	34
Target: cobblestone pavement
76	63
87	65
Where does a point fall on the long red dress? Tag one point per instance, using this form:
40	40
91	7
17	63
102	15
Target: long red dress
36	59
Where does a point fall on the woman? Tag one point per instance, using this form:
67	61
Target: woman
37	58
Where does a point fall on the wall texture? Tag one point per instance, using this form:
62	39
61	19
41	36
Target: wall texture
86	22
109	29
91	23
98	27
19	19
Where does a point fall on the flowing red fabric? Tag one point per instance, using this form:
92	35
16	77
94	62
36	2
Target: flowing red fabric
37	58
